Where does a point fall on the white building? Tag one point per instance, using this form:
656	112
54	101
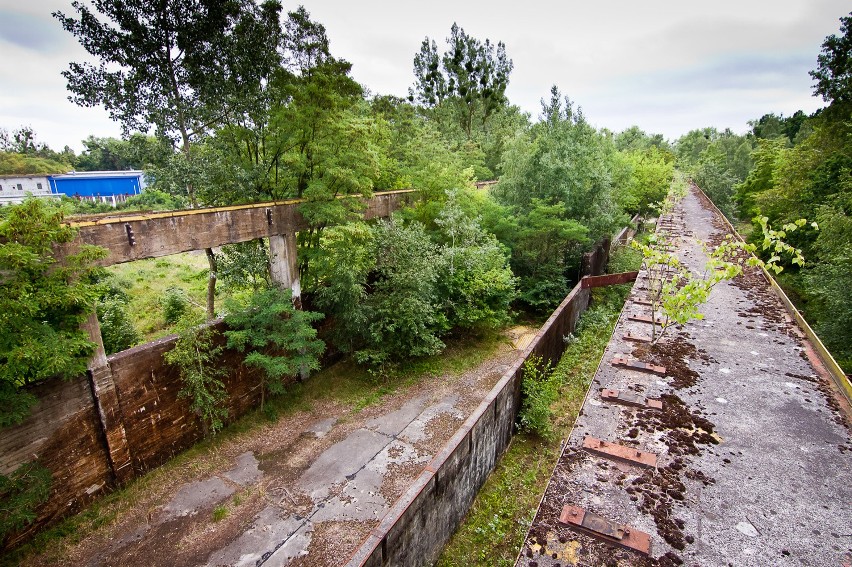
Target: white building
13	188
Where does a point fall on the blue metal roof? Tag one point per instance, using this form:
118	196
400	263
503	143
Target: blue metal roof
97	183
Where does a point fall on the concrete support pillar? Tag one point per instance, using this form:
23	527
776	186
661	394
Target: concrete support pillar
93	328
284	269
106	400
284	265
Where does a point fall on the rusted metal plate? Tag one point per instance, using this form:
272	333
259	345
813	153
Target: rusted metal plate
631	336
646	319
619	452
641	301
624	361
609	279
629	399
599	527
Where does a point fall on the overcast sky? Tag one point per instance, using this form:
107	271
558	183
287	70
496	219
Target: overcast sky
668	66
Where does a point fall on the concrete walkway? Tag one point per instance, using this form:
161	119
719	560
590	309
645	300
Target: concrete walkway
753	442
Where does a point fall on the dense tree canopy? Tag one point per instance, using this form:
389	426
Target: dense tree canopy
833	74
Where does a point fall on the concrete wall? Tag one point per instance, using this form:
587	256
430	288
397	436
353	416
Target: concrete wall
91	444
416	529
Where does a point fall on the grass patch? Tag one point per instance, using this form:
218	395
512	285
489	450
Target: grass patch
146	282
495	527
345	382
220	513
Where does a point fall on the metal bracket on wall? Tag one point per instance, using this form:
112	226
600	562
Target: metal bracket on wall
131	239
606	530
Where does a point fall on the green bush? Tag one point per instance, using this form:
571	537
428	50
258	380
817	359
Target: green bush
277	338
20	494
42	303
540	389
175	305
117	329
196	357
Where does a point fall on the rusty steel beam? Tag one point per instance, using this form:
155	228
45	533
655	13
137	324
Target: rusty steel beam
646	319
629	399
136	236
605	530
609	279
624	361
618	452
630	336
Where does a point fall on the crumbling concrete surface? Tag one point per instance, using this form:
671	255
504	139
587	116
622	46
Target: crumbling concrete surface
305	490
753	440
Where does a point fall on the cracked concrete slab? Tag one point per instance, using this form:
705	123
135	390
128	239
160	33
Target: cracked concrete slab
324	480
340	461
195	496
394	422
295	546
415	431
246	471
254	545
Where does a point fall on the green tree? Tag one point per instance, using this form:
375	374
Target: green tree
833	74
113	154
463	91
473	76
177	65
649	173
117	329
196	355
476	284
245	266
342	272
22	153
279	339
43	302
402	309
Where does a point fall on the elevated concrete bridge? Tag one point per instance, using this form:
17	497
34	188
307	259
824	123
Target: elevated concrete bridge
727	444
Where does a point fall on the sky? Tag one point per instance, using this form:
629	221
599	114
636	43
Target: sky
668	66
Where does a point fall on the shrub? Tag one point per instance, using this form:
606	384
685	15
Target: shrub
196	356
175	305
540	389
278	338
20	494
43	302
117	329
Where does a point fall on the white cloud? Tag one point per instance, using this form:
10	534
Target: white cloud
666	65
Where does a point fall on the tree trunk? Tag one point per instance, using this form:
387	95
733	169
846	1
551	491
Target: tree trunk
211	284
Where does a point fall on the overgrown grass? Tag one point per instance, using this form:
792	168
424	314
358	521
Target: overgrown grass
147	281
495	527
345	382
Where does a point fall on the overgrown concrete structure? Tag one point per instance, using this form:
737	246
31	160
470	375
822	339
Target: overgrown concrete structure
125	416
745	425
